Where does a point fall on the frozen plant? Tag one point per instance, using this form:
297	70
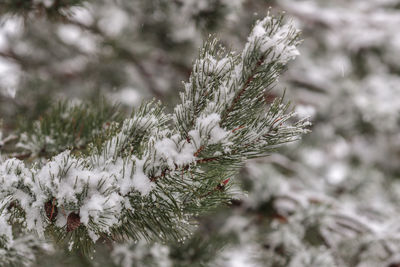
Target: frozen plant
149	175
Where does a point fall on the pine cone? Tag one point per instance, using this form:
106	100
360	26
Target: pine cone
51	210
73	221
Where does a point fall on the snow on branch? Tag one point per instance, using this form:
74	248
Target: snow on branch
158	170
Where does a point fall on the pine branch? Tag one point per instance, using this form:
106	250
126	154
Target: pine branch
67	126
151	174
243	89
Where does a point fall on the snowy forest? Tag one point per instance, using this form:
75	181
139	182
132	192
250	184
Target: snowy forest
226	133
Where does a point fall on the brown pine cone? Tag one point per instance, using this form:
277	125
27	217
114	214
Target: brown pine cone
73	221
51	210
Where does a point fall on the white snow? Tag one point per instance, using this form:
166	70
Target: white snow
73	35
211	125
336	173
128	96
141	182
278	40
305	111
113	21
173	154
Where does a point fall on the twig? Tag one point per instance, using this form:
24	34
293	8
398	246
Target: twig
242	90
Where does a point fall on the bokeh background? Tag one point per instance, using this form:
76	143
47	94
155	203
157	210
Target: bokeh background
331	199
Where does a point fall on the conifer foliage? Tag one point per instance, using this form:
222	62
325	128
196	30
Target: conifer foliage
149	175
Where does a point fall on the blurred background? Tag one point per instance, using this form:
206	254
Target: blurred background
332	199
